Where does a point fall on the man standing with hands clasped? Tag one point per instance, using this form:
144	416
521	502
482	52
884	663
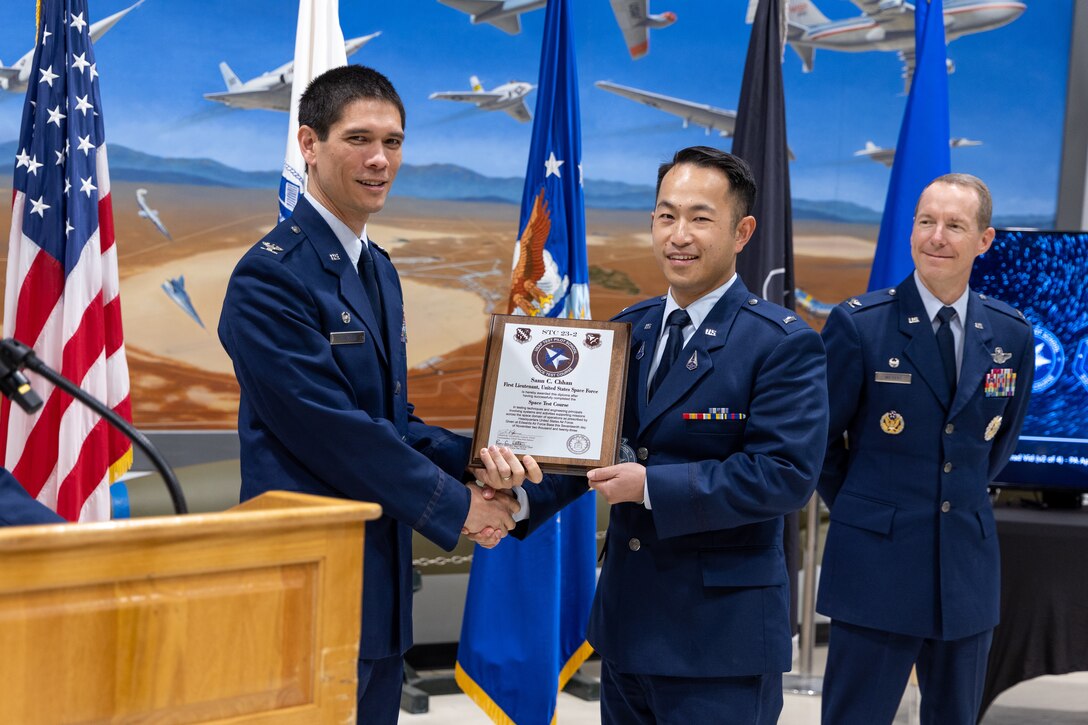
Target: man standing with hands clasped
726	412
928	393
314	323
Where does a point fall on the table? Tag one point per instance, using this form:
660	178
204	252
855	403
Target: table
1044	598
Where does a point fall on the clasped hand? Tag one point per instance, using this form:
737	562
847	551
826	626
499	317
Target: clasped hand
493	504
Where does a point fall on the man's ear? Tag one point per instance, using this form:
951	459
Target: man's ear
746	227
307	142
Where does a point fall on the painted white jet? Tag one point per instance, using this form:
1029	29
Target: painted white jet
270	91
509	97
887	156
14	78
150	214
633	17
889	25
709	117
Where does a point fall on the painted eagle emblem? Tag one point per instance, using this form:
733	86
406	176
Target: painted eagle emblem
525	295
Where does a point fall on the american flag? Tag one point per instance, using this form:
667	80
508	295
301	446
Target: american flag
62	295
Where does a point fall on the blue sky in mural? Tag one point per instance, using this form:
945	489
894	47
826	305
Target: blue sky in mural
1008	89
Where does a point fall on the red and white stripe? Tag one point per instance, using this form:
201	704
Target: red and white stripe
65	455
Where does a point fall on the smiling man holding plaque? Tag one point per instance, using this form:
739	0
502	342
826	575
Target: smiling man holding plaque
726	415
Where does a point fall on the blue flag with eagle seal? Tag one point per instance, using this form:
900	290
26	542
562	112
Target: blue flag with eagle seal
527	607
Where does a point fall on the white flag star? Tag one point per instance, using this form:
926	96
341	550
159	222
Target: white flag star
78	22
68	227
94	72
83	105
22	158
551	165
60	158
45	35
85	145
55	115
80	62
39	207
48	76
33	166
67	186
86	186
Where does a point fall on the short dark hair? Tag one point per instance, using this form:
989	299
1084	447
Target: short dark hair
967	181
330	93
736	169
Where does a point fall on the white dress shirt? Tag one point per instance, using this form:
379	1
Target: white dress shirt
351	242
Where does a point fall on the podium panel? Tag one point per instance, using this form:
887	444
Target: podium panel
251	615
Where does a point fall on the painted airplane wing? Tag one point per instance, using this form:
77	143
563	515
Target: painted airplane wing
893	15
277	99
470	96
151	214
99	28
481	9
8	74
700	114
635	22
519	111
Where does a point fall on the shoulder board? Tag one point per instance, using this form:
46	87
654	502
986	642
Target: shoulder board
639	307
868	300
283	238
1006	309
790	322
374	245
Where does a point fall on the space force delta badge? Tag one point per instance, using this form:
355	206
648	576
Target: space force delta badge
1000	383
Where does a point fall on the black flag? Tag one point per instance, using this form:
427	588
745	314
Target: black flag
766	264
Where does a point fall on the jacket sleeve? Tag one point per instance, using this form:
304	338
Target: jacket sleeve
285	367
775	471
844	383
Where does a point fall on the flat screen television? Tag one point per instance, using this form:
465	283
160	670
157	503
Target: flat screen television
1044	274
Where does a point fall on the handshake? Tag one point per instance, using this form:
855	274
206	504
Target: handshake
493	504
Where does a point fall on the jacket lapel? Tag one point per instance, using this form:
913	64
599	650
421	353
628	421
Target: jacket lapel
977	343
921	349
695	361
643	344
392	305
327	247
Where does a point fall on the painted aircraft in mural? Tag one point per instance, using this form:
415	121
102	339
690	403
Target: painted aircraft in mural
887	156
889	25
709	117
633	17
509	97
270	91
14	78
175	290
150	214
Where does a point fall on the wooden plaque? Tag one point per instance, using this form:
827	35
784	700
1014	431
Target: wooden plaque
554	388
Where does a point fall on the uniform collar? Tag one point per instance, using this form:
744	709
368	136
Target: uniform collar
934	305
700	308
352	244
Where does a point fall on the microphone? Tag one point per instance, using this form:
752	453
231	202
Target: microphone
14	356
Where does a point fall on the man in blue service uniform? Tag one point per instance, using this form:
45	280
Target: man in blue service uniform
929	387
314	322
726	411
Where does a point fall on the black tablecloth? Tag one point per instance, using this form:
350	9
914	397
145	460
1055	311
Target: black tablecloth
1044	598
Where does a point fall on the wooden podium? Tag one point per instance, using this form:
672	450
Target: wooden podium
250	615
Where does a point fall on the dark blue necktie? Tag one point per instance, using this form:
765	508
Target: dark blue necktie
947	345
678	320
369	277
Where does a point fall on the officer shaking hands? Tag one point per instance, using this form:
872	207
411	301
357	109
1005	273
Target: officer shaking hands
929	390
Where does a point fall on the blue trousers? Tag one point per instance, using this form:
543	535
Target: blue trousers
380	683
628	699
868	669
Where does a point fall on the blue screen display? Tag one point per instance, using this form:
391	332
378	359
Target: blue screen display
1045	276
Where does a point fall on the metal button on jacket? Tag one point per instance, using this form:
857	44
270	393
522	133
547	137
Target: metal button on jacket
642	454
948	467
948	429
946	507
634	544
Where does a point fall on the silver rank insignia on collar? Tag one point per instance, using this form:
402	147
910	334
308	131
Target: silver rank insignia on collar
641	351
912	320
788	319
270	247
345	316
854	302
693	361
1000	356
334	257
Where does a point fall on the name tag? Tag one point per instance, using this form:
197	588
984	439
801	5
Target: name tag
347	338
898	378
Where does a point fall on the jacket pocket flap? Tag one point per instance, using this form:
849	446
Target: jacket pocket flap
987	522
863	513
757	566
